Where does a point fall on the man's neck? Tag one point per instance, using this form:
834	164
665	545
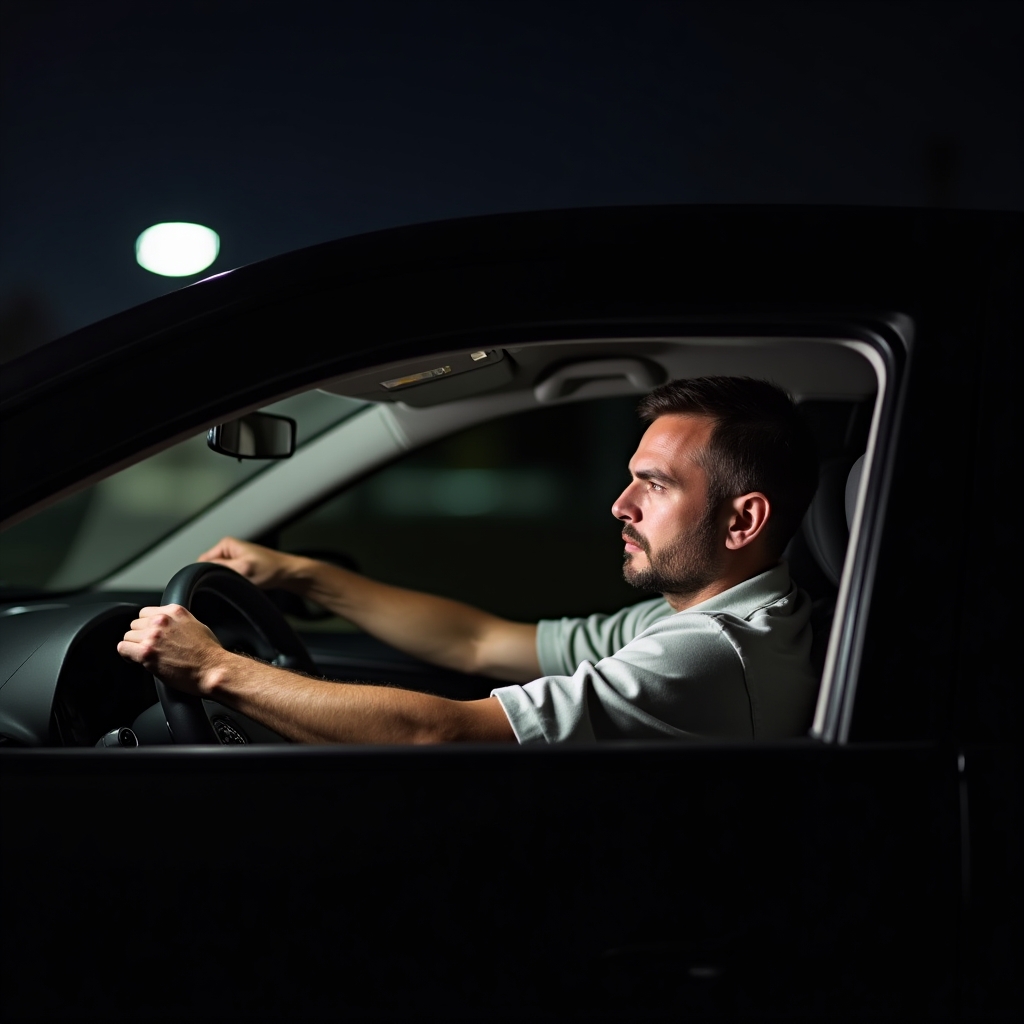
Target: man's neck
680	602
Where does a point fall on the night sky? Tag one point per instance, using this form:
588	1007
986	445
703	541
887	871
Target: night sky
282	125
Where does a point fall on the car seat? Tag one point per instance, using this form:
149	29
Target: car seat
816	554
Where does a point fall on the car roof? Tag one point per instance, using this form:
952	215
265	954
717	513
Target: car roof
106	395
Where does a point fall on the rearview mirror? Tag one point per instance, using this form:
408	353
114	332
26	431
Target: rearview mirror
256	436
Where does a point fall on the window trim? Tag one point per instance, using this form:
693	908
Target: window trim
888	347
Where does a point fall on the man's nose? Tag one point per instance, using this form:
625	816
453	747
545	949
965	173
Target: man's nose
624	507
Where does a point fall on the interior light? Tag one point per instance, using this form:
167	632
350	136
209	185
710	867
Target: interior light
177	249
415	378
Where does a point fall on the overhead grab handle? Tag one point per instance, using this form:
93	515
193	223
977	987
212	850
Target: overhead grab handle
596	378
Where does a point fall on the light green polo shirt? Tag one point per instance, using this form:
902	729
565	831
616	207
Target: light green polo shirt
735	666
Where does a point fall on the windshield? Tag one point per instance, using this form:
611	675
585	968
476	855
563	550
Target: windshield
85	537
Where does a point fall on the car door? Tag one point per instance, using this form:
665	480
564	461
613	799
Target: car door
796	879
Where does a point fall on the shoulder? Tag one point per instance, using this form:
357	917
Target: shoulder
682	642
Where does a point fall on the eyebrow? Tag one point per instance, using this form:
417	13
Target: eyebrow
653	474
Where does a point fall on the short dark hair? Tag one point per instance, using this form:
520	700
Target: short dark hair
760	442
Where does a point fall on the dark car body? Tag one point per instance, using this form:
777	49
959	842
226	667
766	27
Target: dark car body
872	872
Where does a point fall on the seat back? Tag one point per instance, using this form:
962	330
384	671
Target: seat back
824	527
826	533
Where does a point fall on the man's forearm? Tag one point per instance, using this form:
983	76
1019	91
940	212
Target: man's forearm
436	629
316	711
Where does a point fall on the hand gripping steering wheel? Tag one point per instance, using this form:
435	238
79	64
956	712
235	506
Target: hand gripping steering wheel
186	717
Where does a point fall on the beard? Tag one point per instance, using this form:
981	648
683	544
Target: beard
685	567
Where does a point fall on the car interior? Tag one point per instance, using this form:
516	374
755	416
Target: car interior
485	474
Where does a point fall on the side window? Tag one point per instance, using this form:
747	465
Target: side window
512	515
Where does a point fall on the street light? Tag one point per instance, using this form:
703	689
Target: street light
177	249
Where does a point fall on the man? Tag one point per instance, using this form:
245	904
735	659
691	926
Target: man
719	483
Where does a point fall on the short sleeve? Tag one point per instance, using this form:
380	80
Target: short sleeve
562	644
681	678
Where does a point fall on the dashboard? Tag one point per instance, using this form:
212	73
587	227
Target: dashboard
63	684
97	690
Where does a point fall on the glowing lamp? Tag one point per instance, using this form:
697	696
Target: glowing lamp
177	249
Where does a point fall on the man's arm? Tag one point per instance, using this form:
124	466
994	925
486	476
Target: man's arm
443	632
172	644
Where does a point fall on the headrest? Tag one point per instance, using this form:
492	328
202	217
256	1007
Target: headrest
826	526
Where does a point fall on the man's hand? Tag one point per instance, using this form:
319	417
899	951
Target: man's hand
259	565
174	645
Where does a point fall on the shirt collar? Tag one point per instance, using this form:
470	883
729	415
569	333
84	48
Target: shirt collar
751	595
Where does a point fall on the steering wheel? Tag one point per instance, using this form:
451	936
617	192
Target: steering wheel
186	716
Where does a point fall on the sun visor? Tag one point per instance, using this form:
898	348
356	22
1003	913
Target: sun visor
429	381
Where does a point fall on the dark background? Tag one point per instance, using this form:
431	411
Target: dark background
285	124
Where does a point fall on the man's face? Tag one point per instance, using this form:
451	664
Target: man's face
670	532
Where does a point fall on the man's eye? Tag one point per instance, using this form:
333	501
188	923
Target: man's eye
655	487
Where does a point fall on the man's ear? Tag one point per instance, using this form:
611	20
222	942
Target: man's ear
747	517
